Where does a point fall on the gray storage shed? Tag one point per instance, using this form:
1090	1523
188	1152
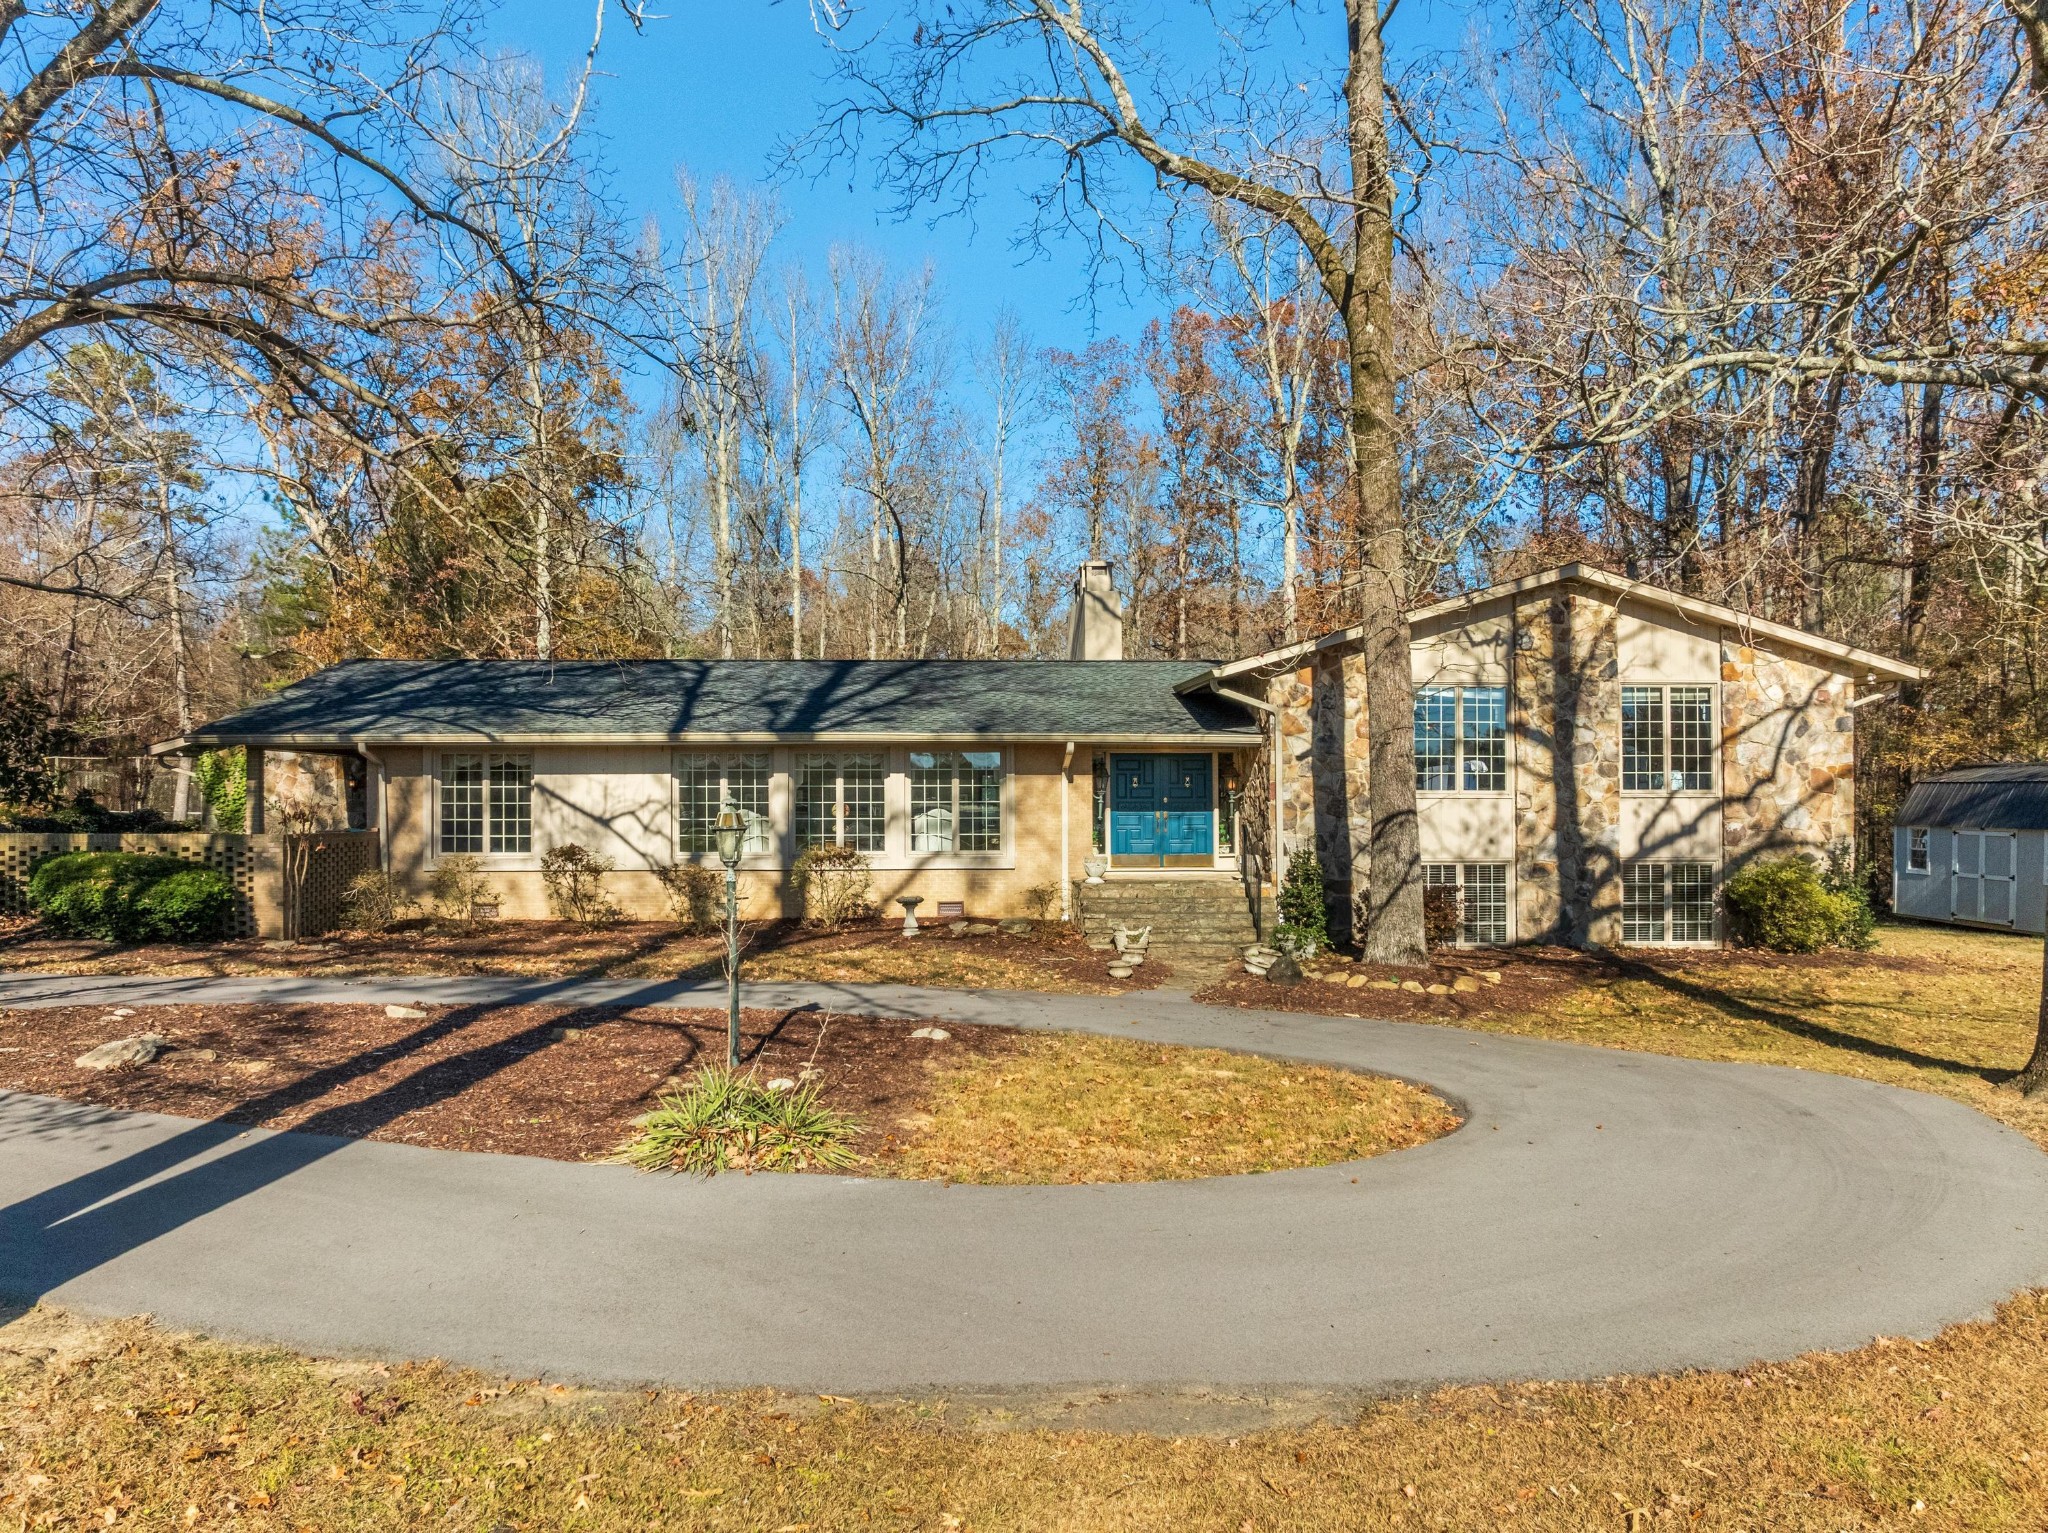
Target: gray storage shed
1971	847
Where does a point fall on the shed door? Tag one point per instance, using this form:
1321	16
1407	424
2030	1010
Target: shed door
1986	865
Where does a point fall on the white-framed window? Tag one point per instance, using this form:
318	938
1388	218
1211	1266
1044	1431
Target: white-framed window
1461	739
840	801
1667	739
1916	849
1482	889
1664	902
705	783
486	803
956	801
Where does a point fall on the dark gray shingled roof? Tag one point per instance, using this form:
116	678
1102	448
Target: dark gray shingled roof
501	699
2009	797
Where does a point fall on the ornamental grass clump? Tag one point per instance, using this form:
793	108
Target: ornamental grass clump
725	1121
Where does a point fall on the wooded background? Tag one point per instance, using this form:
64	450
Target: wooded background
319	339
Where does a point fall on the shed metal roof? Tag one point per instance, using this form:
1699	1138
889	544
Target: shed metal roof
2012	796
733	700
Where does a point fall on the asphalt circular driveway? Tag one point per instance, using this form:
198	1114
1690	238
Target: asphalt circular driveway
1600	1212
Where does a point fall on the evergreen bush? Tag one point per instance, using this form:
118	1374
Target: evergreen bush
1303	904
1784	905
126	897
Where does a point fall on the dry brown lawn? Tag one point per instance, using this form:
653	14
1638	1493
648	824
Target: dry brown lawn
120	1425
1066	1108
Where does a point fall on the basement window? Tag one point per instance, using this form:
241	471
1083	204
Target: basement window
1667	902
1482	889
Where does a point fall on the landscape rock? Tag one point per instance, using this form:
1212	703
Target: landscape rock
1360	981
1491	976
781	1083
204	1056
1017	926
122	1011
124	1053
959	928
564	1034
932	1034
250	1066
977	929
1283	971
405	1013
1385	984
1465	984
1439	989
1412	986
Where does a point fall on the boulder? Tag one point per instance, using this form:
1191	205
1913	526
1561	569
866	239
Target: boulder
1017	926
1412	986
1439	989
1283	971
932	1034
1385	984
959	928
405	1013
1465	984
1491	976
977	929
124	1053
780	1084
1359	981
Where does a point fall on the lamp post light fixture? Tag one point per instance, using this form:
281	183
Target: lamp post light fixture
732	835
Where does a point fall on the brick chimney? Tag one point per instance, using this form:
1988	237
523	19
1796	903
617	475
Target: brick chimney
1095	628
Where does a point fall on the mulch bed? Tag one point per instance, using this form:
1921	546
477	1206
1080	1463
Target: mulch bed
552	948
560	1082
1529	978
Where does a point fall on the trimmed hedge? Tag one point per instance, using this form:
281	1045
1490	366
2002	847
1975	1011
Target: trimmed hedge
128	897
1788	907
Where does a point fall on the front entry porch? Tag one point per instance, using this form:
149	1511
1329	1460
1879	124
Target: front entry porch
1162	811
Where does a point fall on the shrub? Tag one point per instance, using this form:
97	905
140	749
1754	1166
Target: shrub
28	739
1303	902
374	902
1441	917
86	815
459	886
1785	906
123	897
574	878
833	884
724	1120
696	896
1042	900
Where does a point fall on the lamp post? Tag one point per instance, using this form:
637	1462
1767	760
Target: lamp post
732	833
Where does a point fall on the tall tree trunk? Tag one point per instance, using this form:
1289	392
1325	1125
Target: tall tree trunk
1394	878
174	616
2034	1079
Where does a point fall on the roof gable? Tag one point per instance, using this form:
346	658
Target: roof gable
1860	663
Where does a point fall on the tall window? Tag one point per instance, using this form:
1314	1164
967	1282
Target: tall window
839	802
1461	739
1667	739
956	801
1916	849
703	786
1667	902
1482	890
486	803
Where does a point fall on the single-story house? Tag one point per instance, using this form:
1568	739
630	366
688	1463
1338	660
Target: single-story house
1971	847
1592	755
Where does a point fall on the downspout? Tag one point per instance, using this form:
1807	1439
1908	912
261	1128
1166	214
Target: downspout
1272	712
1066	866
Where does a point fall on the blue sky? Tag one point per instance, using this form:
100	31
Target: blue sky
717	84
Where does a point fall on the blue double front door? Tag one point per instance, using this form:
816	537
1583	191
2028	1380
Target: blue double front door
1161	812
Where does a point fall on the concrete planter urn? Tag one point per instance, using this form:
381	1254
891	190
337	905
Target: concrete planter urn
1094	867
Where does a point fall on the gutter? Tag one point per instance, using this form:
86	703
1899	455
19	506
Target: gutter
1066	864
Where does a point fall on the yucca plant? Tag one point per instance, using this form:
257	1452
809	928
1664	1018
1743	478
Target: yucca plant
724	1120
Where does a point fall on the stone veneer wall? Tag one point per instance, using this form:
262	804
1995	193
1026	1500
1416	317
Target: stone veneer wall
1788	755
1565	720
1788	765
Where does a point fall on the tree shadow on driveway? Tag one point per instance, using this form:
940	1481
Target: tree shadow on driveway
55	1236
